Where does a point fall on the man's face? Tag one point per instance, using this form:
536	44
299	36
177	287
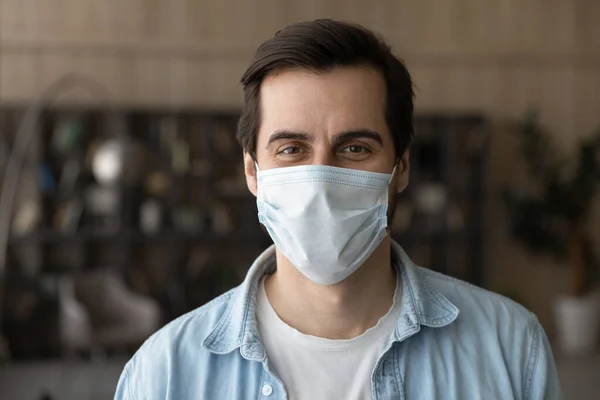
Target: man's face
334	118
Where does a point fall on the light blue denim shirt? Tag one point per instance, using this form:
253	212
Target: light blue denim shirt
452	341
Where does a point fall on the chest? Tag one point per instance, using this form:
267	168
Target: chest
416	368
393	376
325	374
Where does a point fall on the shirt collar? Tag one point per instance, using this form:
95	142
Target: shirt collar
422	304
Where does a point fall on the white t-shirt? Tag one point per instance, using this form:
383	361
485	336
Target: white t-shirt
314	368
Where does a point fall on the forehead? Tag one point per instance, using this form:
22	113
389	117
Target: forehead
323	102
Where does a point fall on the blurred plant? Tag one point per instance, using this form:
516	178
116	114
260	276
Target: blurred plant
550	216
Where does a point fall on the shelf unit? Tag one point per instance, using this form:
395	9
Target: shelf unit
183	267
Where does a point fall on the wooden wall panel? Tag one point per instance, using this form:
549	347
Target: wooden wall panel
587	28
586	105
19	77
427	26
499	55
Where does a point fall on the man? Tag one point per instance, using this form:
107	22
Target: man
335	309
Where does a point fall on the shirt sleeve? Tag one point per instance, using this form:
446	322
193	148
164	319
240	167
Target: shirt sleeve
541	378
123	387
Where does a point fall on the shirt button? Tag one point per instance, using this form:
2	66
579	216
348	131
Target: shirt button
267	390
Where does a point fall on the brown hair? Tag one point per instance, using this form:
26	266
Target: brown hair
320	46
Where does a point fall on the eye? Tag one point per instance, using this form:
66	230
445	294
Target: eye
354	149
290	150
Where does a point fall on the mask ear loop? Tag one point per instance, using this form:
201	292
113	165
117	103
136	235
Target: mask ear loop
258	187
394	170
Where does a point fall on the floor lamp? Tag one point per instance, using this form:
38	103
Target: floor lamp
21	145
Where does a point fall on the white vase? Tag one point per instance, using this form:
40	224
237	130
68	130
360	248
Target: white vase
578	323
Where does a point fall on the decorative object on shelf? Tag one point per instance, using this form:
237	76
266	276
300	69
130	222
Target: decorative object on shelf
27	217
68	216
150	217
68	134
74	322
157	183
102	204
180	156
168	128
188	219
47	179
430	200
119	317
177	146
117	161
549	215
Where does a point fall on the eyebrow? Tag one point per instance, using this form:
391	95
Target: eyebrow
337	139
359	134
288	135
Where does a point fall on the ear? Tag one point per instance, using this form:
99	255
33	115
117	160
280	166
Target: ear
403	172
250	172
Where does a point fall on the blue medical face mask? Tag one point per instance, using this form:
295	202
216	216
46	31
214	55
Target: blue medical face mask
326	220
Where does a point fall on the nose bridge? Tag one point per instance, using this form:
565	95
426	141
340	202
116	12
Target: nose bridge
323	154
323	158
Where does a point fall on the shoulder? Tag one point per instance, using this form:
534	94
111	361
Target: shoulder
509	335
173	347
475	303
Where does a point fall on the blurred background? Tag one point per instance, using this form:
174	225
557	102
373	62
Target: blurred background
123	203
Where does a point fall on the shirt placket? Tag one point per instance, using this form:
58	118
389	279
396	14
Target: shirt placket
386	381
271	387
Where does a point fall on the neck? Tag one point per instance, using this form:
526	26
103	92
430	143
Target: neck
341	311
